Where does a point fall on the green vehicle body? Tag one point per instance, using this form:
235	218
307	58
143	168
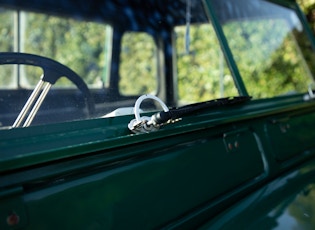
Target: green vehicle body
245	165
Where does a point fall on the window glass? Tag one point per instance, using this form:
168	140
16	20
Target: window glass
269	46
138	64
202	71
81	45
7	44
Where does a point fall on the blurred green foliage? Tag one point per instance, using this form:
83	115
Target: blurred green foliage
308	7
138	64
79	46
202	72
269	57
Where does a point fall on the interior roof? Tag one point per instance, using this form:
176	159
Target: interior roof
160	13
140	14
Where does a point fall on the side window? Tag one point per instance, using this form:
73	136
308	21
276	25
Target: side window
138	64
7	44
202	73
82	46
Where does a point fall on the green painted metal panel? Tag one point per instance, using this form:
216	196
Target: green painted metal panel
285	203
13	213
291	135
39	144
147	193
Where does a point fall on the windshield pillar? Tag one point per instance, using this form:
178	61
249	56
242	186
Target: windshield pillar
226	50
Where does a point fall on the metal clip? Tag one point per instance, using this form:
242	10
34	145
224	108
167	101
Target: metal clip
142	126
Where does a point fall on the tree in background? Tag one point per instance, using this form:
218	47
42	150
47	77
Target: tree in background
308	7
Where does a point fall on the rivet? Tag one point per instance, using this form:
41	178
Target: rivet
236	144
283	128
230	146
13	219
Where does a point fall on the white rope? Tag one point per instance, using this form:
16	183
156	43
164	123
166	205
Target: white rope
141	124
142	98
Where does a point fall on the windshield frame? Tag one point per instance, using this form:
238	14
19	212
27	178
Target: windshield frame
225	42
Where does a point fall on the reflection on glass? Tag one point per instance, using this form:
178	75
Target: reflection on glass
269	46
202	73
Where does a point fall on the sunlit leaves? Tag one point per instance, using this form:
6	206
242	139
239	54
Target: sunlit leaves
268	56
138	64
202	73
75	44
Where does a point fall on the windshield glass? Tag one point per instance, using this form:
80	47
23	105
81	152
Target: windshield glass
112	79
96	62
269	45
93	63
202	71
